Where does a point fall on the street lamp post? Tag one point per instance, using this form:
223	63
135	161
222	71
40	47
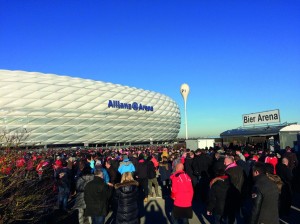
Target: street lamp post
184	90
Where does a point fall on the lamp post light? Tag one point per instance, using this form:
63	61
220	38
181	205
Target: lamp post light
185	90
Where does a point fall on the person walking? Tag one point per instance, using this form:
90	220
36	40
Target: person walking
200	165
182	194
96	195
165	170
81	182
91	161
292	158
41	167
113	175
217	163
64	186
114	178
219	197
126	200
236	176
152	180
188	167
286	197
264	197
142	176
236	173
126	165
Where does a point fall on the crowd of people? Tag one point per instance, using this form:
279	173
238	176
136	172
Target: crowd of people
234	183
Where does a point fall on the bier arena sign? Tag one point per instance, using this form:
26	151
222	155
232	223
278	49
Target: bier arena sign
266	117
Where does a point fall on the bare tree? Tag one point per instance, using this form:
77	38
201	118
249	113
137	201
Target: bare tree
15	138
21	200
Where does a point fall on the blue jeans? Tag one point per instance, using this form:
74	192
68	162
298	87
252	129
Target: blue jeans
63	201
98	219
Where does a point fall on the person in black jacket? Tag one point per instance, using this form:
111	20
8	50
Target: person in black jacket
200	165
64	186
96	195
189	169
286	175
217	163
142	176
126	200
113	174
236	173
264	197
165	170
219	196
292	158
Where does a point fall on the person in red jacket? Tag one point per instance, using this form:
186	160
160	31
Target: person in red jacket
57	165
20	163
40	168
154	161
272	159
182	194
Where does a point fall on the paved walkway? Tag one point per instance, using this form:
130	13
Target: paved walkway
157	211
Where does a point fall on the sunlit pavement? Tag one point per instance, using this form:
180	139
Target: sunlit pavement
158	211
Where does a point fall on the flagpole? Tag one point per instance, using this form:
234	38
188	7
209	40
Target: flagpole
184	90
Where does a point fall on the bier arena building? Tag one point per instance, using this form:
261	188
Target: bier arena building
62	110
266	129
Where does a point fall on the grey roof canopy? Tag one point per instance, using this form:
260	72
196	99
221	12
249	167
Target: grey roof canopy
254	131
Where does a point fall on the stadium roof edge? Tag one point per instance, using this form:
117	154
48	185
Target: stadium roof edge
265	130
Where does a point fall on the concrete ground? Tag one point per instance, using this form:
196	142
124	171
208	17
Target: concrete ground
157	211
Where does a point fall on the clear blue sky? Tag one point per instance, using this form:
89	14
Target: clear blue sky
237	56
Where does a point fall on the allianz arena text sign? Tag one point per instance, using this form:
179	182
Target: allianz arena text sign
129	106
266	117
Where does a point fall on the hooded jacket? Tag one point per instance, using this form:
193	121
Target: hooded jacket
126	166
182	189
126	202
218	195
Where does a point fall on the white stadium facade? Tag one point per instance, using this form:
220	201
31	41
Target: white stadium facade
57	110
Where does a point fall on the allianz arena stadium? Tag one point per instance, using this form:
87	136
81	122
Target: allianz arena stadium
58	110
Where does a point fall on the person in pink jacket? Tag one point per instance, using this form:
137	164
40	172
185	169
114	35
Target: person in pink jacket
182	194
